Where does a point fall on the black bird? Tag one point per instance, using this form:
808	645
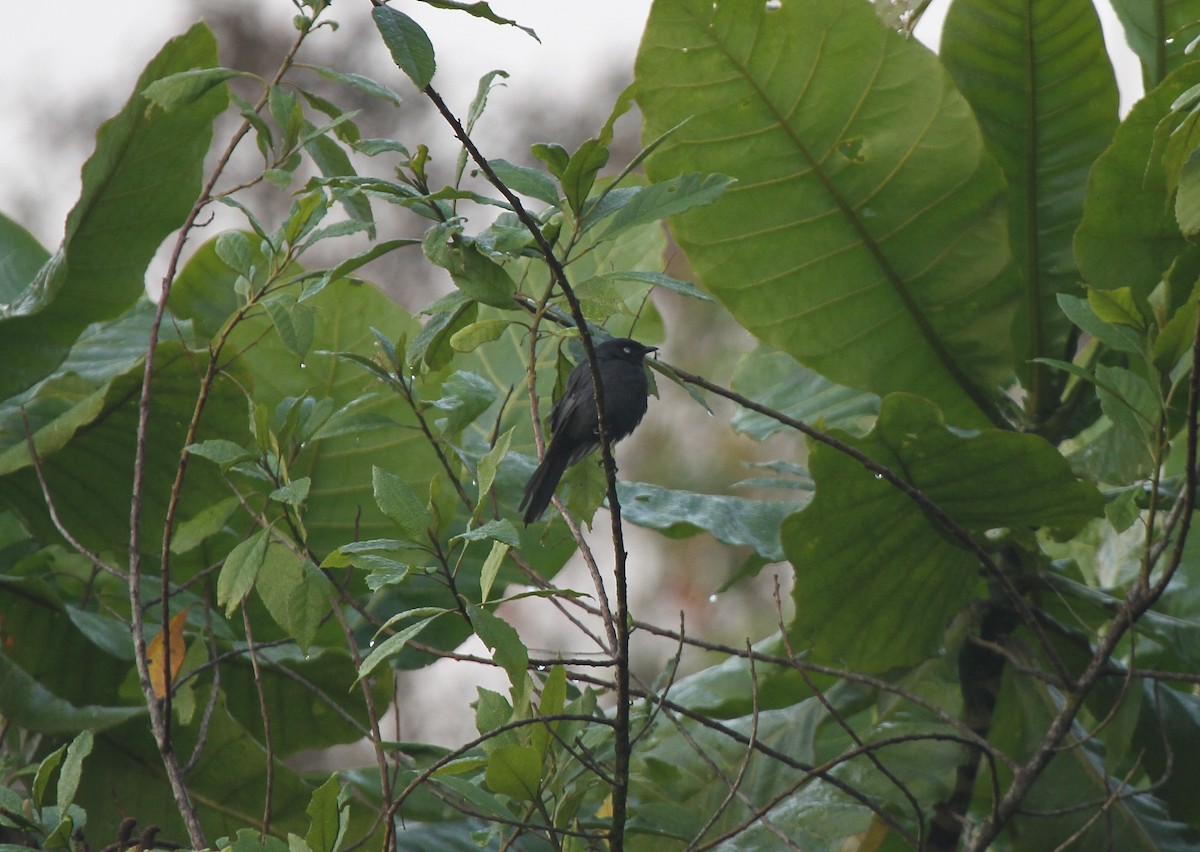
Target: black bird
573	422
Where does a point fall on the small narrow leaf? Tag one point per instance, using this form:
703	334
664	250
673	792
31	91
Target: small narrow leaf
491	567
580	173
41	778
480	10
72	769
507	648
668	198
490	464
395	643
398	501
240	571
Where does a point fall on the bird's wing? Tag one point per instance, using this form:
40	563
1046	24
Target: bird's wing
577	394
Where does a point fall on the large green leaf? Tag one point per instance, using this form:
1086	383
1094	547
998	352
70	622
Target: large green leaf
1128	236
730	520
138	186
84	430
1159	31
876	579
1167	735
866	234
299	718
778	382
21	256
24	701
1039	80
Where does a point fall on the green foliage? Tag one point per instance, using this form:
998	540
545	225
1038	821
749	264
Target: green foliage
992	631
830	246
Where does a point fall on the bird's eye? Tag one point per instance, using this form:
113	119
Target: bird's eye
627	349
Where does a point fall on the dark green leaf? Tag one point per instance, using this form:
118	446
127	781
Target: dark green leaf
129	188
1120	337
295	592
580	173
1036	78
775	380
223	452
28	704
294	493
508	650
396	499
466	396
481	278
554	156
501	530
329	821
410	48
861	533
1128	236
241	570
21	256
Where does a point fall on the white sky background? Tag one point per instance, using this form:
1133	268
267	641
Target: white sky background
80	55
81	52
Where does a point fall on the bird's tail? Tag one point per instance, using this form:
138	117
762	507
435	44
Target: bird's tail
545	479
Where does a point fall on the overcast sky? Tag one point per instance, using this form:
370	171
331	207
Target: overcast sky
81	53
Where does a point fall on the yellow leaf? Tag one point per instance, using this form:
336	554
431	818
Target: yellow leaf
154	654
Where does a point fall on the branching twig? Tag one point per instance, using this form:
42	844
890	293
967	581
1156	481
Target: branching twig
79	547
620	791
160	717
1137	602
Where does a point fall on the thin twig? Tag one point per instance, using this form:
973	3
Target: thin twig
741	776
620	791
268	745
160	716
79	547
1138	601
932	509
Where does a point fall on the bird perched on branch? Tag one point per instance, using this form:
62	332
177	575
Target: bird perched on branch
573	422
